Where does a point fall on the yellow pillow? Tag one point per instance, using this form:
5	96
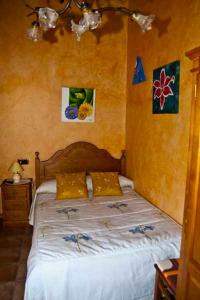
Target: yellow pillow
105	184
71	185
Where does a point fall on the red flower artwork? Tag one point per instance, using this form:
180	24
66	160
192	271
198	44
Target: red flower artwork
162	88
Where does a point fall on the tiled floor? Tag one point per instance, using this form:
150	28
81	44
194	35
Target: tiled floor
14	248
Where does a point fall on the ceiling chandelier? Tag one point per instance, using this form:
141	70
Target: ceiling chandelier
47	18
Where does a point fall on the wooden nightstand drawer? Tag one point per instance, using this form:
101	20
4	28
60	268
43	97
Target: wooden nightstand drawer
16	215
16	201
15	204
14	192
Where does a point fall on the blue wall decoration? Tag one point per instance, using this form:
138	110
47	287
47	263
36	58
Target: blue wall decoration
139	75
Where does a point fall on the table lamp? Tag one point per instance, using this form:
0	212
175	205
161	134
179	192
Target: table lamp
16	169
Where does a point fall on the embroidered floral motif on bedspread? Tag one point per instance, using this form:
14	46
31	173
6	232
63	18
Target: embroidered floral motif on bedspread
67	211
141	228
45	228
118	205
106	223
76	237
43	204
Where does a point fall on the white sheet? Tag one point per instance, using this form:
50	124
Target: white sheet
109	262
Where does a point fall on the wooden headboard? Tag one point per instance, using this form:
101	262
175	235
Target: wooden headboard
77	157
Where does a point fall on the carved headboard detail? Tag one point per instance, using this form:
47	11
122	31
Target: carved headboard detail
79	156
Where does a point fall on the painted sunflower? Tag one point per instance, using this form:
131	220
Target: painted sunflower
85	110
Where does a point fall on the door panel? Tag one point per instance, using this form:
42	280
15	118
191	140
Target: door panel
196	245
193	289
188	287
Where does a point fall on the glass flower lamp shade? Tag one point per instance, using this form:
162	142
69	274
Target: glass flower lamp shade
143	21
78	29
47	18
90	21
16	169
34	33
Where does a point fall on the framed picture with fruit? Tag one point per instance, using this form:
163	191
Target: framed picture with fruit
78	104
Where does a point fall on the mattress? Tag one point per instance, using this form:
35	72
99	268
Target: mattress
101	248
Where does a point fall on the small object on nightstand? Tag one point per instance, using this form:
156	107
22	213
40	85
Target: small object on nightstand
166	279
16	201
16	169
9	181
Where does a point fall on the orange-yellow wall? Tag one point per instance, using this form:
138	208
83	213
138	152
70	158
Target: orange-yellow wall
31	78
32	75
157	145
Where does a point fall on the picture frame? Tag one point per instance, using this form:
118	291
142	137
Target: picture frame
78	105
166	89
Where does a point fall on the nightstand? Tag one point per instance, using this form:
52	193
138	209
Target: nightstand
166	279
16	201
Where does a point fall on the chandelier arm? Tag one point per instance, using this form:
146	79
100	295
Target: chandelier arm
65	8
28	6
34	12
121	9
79	4
34	9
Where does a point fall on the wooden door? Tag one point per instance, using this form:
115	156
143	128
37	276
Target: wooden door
188	287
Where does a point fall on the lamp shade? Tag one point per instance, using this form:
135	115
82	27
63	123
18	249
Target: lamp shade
15	168
143	21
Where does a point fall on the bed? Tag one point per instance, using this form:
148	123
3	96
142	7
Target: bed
96	248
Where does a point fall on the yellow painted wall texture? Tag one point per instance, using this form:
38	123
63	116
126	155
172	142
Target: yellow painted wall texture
31	78
157	145
32	75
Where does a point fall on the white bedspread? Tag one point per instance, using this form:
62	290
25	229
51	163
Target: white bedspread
96	250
